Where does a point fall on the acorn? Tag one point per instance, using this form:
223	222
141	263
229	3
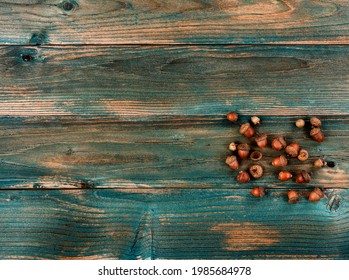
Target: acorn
243	150
255	120
261	140
243	177
293	197
303	177
232	162
303	155
258	191
256	171
317	134
319	163
256	156
315	122
316	195
232	146
232	117
247	130
279	143
279	161
285	175
292	149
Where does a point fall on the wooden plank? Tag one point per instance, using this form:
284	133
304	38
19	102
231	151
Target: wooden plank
152	82
170	224
174	22
174	153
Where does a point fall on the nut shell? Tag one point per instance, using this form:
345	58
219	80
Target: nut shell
293	197
303	155
258	191
255	120
232	147
243	177
256	155
280	161
284	175
292	149
315	122
232	117
319	163
300	123
278	143
256	171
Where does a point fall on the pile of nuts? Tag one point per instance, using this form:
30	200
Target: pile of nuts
291	150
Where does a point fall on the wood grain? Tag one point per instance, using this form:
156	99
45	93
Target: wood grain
151	82
172	224
173	153
174	22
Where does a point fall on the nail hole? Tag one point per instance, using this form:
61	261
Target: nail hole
27	57
67	6
331	164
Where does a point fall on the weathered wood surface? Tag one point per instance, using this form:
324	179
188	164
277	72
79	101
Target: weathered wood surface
152	82
170	224
174	22
174	153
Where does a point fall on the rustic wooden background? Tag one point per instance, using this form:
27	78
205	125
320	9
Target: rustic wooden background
113	133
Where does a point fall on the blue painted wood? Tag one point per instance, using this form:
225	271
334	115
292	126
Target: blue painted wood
169	224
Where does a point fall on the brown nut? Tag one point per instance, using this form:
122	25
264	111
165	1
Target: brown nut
232	162
303	177
292	149
243	177
317	135
256	156
256	171
243	150
255	120
279	161
232	116
279	143
247	130
319	163
315	122
316	195
258	191
300	123
293	197
261	140
303	155
284	175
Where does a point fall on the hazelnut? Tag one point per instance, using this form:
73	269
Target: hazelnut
243	177
256	156
285	175
247	130
279	161
232	162
232	147
243	150
303	177
258	191
232	117
303	155
292	149
255	120
261	140
300	123
293	197
278	143
256	171
315	122
316	195
319	163
317	134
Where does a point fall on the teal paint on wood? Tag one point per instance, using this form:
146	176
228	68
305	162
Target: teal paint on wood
151	82
173	153
169	224
175	22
